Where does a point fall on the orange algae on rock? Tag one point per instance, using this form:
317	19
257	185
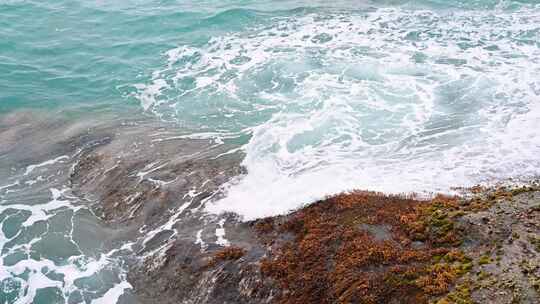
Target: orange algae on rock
365	247
227	254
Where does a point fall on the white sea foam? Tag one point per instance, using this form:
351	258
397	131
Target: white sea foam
113	294
220	234
150	92
40	212
392	99
43	271
199	241
31	168
149	169
174	216
15	183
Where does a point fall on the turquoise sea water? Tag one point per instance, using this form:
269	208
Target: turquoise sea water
395	96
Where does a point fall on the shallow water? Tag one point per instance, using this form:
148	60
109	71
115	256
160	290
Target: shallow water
395	96
54	248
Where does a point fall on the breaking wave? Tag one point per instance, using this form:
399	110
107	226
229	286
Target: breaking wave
390	99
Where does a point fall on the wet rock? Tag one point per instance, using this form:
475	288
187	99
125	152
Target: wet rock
150	185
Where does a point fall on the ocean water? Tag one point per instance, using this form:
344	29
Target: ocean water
394	96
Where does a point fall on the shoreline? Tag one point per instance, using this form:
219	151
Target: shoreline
150	195
367	247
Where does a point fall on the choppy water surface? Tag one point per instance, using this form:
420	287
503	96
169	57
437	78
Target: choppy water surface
396	96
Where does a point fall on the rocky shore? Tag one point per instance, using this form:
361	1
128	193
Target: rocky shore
366	247
360	247
150	186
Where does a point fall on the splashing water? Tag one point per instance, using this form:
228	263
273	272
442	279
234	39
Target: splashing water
389	99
